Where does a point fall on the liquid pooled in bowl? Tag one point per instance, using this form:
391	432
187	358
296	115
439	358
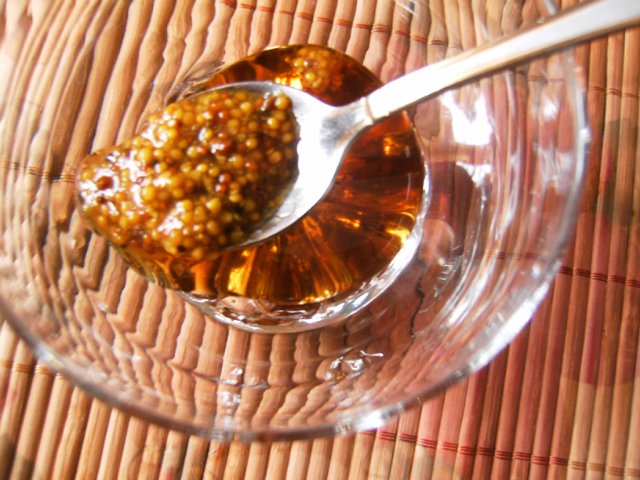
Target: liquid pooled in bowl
344	242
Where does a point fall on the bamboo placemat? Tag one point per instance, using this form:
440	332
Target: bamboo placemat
563	401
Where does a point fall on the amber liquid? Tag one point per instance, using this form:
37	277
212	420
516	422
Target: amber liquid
354	233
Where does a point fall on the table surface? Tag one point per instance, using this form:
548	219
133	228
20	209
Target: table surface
520	417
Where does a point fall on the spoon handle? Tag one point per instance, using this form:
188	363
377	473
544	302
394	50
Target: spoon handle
587	20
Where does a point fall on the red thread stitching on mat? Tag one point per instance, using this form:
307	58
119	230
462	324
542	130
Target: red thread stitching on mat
407	437
579	272
617	471
616	279
362	26
449	446
464	450
616	92
380	28
419	38
17	367
427	443
562	462
247	6
386	435
575	465
324	19
228	3
286	12
38	172
598	467
486	452
524	456
504	454
305	16
343	22
538	460
600	277
265	9
42	370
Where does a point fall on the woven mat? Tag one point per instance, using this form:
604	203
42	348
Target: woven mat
563	401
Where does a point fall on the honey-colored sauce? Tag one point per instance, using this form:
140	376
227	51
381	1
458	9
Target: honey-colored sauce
351	236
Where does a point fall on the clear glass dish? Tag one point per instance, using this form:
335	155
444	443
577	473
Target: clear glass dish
506	162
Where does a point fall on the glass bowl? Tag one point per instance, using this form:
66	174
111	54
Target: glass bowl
506	162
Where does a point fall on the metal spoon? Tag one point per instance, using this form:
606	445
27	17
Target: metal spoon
327	132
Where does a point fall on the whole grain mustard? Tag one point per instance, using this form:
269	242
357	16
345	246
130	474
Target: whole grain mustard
197	178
